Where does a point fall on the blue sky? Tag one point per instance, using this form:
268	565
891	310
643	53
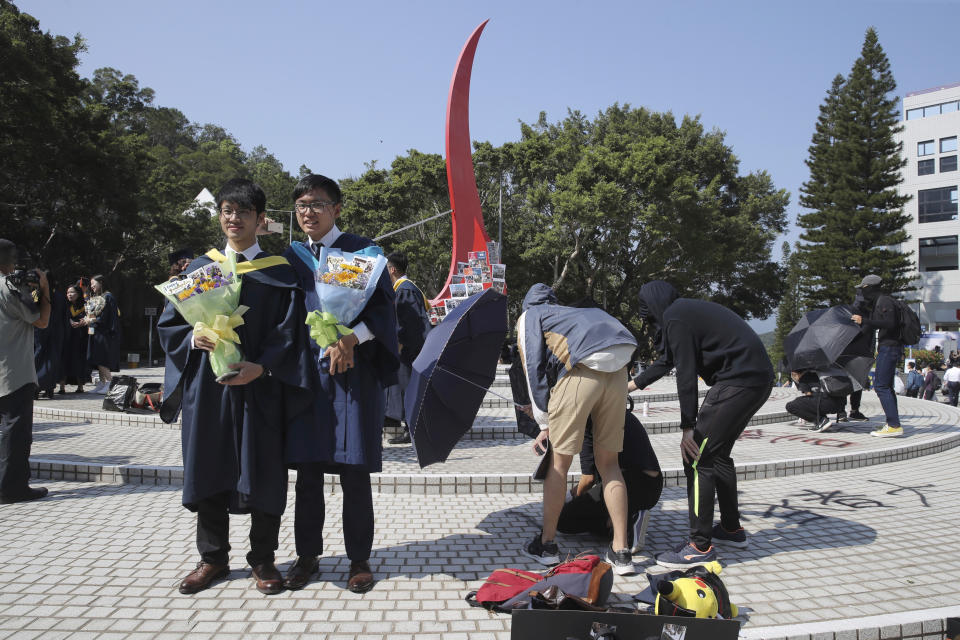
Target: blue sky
336	85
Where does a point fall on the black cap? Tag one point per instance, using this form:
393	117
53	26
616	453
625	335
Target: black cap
180	254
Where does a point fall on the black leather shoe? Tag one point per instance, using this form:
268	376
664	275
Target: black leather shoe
403	438
269	579
361	578
202	577
31	494
300	572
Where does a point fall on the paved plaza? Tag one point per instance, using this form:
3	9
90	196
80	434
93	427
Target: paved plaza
850	535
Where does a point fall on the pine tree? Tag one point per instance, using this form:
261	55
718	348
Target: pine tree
791	304
856	216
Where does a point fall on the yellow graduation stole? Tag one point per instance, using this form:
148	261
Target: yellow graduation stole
401	280
249	265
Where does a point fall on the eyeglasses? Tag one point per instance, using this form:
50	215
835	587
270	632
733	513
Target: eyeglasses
227	212
317	206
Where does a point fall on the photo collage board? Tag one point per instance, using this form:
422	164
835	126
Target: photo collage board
482	270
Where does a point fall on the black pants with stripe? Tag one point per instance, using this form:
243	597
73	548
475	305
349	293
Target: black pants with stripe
724	414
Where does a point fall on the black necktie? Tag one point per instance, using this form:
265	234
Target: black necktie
241	257
316	249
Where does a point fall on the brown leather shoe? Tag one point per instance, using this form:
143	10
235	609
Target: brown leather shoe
269	580
361	578
299	573
201	577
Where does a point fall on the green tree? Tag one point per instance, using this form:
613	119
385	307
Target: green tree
632	196
791	307
856	218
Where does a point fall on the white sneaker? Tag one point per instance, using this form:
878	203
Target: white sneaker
102	389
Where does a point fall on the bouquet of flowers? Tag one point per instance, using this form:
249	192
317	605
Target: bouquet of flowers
345	282
94	307
208	299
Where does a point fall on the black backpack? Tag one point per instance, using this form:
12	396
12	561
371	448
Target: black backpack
909	323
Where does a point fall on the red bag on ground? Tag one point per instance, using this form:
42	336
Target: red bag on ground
586	577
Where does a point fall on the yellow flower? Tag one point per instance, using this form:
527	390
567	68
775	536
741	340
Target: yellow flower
346	276
350	267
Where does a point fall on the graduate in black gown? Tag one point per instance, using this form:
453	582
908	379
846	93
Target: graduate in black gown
48	342
75	368
413	325
234	433
103	345
353	373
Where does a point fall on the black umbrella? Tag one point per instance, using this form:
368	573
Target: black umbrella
822	336
827	338
451	375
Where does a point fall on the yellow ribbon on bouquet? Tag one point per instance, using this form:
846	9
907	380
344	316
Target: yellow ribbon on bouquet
325	328
222	329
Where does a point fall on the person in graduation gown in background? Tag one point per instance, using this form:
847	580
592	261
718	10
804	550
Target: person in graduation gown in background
234	432
48	343
413	325
75	368
353	373
103	345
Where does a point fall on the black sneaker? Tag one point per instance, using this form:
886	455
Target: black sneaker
621	561
637	530
30	494
856	416
842	417
736	538
824	425
403	438
546	553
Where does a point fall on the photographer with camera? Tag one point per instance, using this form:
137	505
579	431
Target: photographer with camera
20	312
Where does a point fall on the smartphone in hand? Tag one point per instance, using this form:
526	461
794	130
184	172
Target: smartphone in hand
229	375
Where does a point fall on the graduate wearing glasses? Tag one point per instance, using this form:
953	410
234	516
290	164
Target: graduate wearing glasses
353	373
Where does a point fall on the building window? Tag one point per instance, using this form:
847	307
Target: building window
926	148
915	114
949	107
932	110
948	144
937	205
938	254
947	163
926	167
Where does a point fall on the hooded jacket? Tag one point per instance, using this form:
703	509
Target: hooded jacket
552	339
879	312
703	339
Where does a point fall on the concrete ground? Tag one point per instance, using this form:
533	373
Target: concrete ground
850	535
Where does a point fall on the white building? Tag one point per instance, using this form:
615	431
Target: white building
930	130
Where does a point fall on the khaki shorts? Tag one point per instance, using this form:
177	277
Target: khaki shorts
584	393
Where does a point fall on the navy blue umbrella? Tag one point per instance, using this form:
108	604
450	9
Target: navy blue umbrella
451	375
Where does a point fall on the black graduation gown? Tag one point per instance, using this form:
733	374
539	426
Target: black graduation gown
350	410
48	344
75	367
103	347
233	437
413	325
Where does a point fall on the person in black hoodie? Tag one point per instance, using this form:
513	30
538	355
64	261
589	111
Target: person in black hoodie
883	316
705	339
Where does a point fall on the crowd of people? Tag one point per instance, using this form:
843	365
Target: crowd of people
293	404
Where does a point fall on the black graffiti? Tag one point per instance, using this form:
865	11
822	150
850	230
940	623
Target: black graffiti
916	490
851	501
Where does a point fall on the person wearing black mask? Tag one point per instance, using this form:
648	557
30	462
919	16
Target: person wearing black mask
883	316
705	339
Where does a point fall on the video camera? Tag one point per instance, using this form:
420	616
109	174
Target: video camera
23	282
24	277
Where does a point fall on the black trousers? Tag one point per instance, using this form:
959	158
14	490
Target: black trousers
16	438
310	510
724	414
855	399
816	407
953	391
213	532
588	512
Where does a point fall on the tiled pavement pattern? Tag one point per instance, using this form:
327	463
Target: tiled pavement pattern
864	550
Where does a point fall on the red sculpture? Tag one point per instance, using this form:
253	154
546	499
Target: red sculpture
469	233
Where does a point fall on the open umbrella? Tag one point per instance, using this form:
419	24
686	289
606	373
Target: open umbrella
451	375
828	338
